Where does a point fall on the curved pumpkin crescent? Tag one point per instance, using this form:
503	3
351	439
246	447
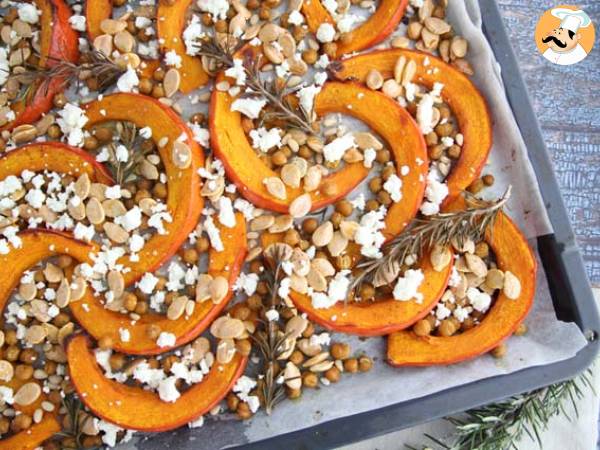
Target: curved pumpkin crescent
375	29
38	245
170	23
399	130
54	157
512	253
459	92
184	202
95	12
34	436
101	322
374	318
137	409
58	42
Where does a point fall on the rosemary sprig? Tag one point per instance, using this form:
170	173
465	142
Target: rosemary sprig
93	64
422	234
74	407
500	426
271	343
276	93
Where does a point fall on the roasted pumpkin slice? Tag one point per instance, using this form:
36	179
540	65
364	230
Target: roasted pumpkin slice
34	436
58	42
170	24
137	409
381	317
54	157
375	29
95	12
465	100
101	322
512	253
184	202
248	171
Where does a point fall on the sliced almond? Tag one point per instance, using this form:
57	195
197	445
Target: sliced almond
35	334
291	375
337	245
116	283
261	223
275	187
177	307
295	326
203	287
305	346
476	265
323	234
281	223
272	52
269	32
52	273
436	25
316	280
77	211
300	206
409	72
225	351
6	371
374	79
124	41
316	359
27	291
113	208
147	206
291	175
399	68
301	262
458	47
116	233
78	288
323	266
322	366
181	154
494	279
348	229
512	286
218	289
365	140
112	26
27	394
287	43
104	44
63	294
440	257
171	82
227	328
312	179
65	331
94	211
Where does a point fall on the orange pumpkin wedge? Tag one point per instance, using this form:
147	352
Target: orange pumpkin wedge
34	436
245	168
58	42
465	100
95	12
512	253
137	409
54	157
101	322
375	29
90	313
170	24
377	318
184	202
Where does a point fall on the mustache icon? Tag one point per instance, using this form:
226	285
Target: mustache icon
558	42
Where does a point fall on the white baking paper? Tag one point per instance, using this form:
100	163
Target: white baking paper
547	341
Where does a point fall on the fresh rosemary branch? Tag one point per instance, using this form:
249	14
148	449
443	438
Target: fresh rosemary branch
500	426
422	234
277	94
93	64
270	342
73	407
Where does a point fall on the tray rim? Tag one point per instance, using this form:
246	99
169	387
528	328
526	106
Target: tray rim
402	415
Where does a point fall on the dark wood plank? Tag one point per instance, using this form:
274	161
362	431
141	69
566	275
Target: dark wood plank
567	103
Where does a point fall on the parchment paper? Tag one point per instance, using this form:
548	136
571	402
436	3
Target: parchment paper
548	340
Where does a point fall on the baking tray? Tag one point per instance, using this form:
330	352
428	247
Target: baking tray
571	294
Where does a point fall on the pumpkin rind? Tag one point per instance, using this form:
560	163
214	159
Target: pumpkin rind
137	409
465	100
184	201
95	12
58	42
170	24
512	253
245	168
375	29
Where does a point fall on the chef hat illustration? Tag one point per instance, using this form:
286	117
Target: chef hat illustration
571	19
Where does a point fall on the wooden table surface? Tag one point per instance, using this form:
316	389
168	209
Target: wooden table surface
567	103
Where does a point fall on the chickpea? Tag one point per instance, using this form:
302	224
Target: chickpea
333	374
54	132
447	328
158	91
153	331
279	158
309	330
10	337
476	186
190	255
444	129
293	394
117	361
422	328
499	351
60	100
243	411
365	363
310	380
141	307
488	179
28	356
21	422
435	152
254	302
310	56
310	225
202	244
105	342
351	365
366	291
23	372
291	237
297	357
521	330
454	151
344	207
372	205
160	191
383	156
232	402
146	86
340	350
243	346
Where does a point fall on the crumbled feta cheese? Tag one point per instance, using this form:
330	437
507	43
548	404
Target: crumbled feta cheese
196	423
368	234
201	135
337	291
442	312
147	283
77	22
272	315
369	156
435	193
461	313
237	71
246	282
393	186
425	113
167	391
407	285
479	300
128	81
124	335
84	233
173	59
71	121
145	132
250	107
306	97
335	150
264	139
325	33
4	66
166	339
191	34
214	235
28	12
296	18
217	8
226	214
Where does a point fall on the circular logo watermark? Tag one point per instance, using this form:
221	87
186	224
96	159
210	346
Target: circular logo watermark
565	35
